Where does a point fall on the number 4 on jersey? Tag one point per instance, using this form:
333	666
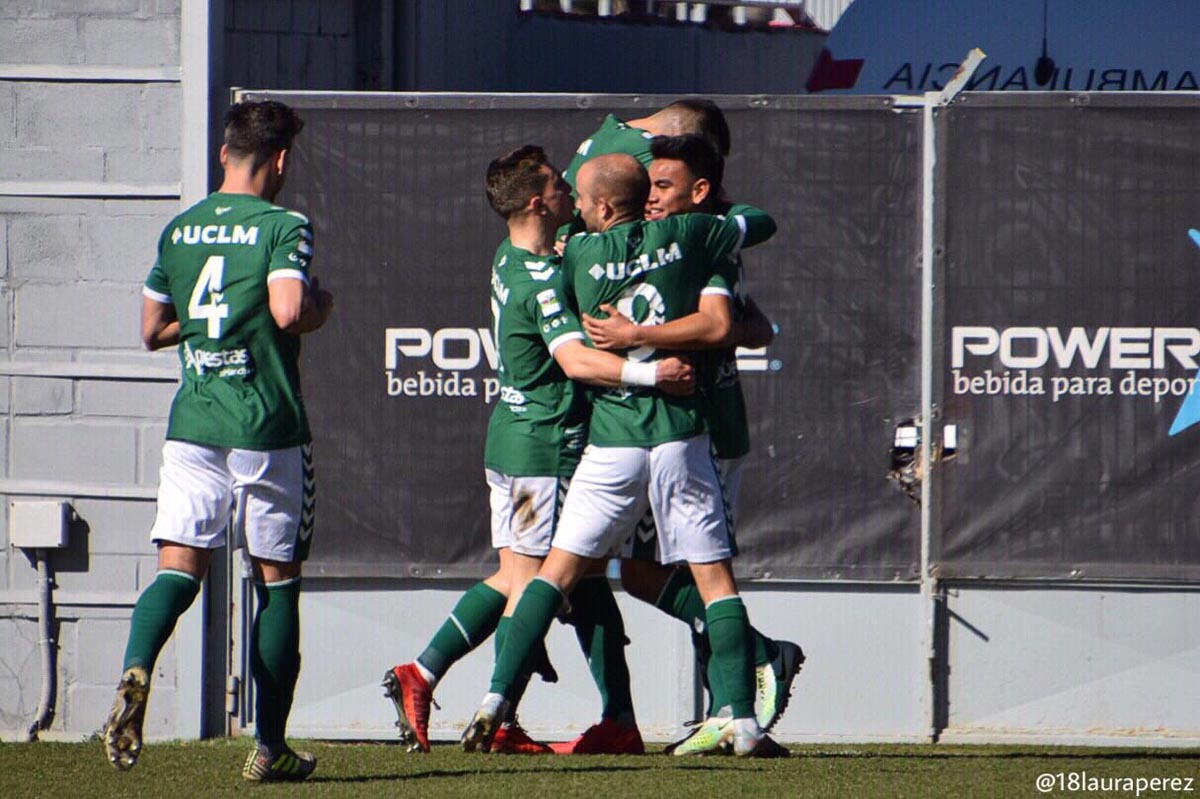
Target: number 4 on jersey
210	284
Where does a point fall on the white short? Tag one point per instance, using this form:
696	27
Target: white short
524	511
642	543
272	491
678	481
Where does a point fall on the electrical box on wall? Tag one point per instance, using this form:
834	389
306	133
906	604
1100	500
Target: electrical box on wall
37	523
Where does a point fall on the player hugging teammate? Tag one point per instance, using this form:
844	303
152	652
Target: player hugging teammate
649	465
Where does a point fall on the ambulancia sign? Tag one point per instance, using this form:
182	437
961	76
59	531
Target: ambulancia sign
885	47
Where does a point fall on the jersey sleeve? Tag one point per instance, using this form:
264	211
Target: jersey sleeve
723	279
293	249
743	226
157	287
551	312
759	226
570	260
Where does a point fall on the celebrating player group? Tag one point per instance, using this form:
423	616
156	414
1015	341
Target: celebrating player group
617	302
651	464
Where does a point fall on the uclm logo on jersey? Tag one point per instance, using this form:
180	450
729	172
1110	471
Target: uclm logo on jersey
215	234
462	361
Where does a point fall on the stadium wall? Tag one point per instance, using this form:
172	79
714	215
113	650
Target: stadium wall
1097	665
92	118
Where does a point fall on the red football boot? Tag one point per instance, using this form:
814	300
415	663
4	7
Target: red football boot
606	738
511	739
412	696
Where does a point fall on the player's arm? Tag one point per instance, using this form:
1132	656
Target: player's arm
160	325
710	327
580	362
298	304
753	225
551	309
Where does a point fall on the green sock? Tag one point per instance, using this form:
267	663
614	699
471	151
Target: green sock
523	676
529	624
155	614
733	653
473	619
681	598
275	657
600	630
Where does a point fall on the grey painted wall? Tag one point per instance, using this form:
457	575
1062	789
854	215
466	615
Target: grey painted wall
1061	665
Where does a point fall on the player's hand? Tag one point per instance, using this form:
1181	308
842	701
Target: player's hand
675	376
560	246
616	332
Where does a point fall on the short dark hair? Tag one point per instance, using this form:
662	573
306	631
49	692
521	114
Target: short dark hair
696	151
513	178
707	119
259	129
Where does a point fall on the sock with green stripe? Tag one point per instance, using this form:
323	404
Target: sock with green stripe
732	653
155	615
680	598
600	630
473	619
530	621
275	658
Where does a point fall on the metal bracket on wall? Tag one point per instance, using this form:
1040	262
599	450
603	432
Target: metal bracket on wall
907	466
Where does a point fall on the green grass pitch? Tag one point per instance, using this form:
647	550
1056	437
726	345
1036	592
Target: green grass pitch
213	769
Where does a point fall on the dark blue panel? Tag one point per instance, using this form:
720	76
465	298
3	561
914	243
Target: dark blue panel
457	45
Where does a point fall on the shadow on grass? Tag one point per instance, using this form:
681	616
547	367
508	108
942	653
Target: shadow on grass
439	773
1135	754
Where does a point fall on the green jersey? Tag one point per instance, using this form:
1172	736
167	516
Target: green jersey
539	426
614	136
653	273
241	377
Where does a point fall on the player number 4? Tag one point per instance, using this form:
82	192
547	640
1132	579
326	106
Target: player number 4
209	285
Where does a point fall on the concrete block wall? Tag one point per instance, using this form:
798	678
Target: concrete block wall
90	172
92	166
74	32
